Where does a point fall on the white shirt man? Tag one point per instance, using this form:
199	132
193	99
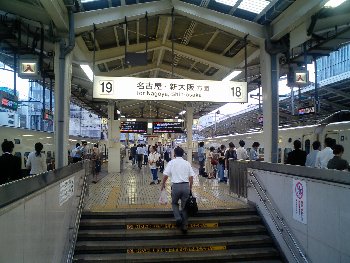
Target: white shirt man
181	174
37	164
241	153
323	157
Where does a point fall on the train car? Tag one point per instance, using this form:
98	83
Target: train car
25	140
339	130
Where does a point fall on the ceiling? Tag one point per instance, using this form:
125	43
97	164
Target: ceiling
208	41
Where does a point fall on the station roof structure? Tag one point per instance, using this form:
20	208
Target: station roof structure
209	39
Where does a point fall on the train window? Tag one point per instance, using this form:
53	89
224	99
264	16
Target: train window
286	151
48	155
18	154
17	141
261	150
307	146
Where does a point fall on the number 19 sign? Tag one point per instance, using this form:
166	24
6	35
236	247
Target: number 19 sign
126	88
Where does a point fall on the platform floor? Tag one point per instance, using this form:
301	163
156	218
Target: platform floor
132	190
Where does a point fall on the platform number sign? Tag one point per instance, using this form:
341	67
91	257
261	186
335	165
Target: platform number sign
236	92
106	87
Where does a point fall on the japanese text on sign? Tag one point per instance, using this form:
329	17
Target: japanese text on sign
66	190
169	89
299	201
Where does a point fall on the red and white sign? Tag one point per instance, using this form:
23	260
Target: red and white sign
299	201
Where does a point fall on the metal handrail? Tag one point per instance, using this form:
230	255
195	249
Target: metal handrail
274	214
75	228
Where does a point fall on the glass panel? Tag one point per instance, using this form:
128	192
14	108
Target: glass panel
254	6
227	2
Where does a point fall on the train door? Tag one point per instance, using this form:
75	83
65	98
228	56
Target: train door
307	142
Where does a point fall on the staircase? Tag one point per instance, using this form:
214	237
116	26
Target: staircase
151	236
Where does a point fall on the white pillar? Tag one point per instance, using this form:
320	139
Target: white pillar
269	82
189	122
63	78
113	141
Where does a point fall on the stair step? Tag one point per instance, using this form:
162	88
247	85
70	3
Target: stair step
231	255
166	214
140	245
146	234
145	222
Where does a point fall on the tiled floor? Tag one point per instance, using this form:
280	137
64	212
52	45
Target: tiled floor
132	190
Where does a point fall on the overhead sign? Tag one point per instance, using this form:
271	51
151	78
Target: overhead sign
47	115
133	127
127	88
167	127
28	67
301	78
306	110
299	201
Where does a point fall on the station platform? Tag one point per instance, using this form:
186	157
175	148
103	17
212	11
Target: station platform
132	190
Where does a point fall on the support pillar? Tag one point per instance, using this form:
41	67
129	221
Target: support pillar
269	81
63	72
113	141
189	122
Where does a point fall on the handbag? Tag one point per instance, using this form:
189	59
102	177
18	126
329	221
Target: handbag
191	205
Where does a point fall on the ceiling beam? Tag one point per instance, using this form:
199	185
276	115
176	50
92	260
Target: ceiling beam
58	13
25	10
114	15
296	14
128	71
228	23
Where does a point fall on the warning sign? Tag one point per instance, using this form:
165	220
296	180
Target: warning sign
299	201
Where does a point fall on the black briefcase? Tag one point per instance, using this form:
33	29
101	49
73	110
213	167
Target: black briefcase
191	205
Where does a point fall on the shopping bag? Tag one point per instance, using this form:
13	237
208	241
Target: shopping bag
191	205
163	198
226	173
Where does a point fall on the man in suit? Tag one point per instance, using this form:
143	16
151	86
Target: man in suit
10	165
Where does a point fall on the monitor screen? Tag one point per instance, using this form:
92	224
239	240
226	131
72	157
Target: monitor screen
167	127
133	127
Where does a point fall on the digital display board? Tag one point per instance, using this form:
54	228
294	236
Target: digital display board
8	100
306	110
167	127
133	127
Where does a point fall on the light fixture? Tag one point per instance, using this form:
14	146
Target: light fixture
88	71
333	3
232	75
227	2
182	112
27	135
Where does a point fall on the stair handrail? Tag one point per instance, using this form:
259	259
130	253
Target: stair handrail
274	214
75	228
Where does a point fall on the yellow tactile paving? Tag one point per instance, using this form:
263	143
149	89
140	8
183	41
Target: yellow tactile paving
131	191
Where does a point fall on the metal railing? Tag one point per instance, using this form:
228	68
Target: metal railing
238	177
75	228
278	220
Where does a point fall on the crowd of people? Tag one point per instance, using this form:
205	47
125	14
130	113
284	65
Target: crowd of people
329	157
154	156
214	163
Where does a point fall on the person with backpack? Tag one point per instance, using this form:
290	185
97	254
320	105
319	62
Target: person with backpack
230	155
76	153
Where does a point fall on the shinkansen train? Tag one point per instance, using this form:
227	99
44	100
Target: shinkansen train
333	127
25	140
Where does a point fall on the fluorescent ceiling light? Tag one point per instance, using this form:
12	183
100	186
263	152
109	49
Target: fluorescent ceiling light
27	135
334	3
182	112
254	6
88	72
232	75
227	2
118	111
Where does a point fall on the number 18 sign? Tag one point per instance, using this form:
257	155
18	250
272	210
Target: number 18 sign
127	88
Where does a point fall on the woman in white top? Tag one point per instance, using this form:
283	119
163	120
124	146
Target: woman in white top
152	161
37	160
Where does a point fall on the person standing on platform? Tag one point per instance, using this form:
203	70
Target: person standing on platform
139	152
84	150
337	162
37	160
95	163
326	154
230	155
76	153
297	156
181	174
311	157
145	155
201	158
241	152
253	154
221	165
10	164
152	161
